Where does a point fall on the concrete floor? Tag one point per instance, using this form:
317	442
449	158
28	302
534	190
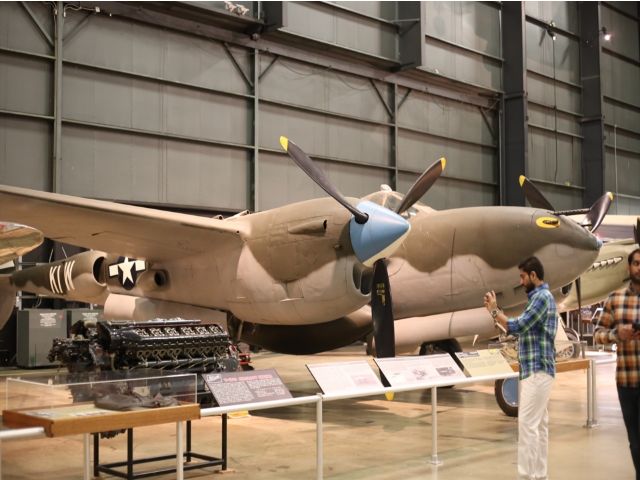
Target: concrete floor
369	438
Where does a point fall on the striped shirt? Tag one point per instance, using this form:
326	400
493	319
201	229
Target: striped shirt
622	306
536	331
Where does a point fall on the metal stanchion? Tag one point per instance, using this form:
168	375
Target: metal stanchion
591	395
319	452
179	451
86	467
434	427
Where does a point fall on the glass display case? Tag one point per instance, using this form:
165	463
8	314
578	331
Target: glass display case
89	402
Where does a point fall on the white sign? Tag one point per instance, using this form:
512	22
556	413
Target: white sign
345	377
484	362
423	369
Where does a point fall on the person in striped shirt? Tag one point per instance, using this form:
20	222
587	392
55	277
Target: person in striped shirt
536	330
621	311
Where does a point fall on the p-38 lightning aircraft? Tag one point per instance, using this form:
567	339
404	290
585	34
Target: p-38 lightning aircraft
294	279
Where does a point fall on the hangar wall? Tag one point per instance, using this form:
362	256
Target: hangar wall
182	106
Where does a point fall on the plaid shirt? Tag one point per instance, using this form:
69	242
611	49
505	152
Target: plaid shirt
536	331
622	306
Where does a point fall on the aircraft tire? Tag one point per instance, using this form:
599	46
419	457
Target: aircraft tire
506	391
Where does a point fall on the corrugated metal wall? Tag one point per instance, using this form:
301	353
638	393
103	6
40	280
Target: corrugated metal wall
156	115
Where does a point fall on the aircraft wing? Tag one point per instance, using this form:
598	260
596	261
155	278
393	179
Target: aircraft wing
126	230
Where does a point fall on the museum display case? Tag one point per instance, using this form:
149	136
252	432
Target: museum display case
70	403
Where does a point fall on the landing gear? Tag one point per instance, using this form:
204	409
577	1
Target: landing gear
506	392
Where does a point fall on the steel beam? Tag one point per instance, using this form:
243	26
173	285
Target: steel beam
57	98
411	32
514	74
593	120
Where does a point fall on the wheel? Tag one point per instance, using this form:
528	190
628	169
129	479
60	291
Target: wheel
506	392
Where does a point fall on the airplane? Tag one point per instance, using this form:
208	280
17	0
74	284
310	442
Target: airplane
292	279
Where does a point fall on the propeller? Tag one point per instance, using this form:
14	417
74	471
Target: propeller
422	184
382	312
535	196
593	215
598	211
381	300
372	227
375	231
636	231
318	176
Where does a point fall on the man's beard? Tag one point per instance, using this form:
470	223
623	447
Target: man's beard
529	287
635	279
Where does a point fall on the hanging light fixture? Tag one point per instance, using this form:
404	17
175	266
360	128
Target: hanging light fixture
550	30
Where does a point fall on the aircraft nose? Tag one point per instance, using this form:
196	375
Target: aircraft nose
379	236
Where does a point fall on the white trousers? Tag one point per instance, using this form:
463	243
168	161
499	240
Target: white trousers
533	426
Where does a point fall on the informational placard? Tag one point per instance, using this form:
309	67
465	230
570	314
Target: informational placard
422	369
484	362
233	388
345	377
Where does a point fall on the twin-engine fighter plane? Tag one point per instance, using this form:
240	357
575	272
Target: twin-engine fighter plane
297	279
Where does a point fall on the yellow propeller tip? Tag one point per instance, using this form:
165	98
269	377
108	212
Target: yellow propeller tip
522	179
610	195
443	162
284	141
389	396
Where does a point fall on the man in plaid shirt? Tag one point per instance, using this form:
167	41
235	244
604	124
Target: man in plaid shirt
536	331
621	311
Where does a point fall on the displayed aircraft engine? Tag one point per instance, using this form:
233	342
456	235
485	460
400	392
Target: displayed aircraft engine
174	345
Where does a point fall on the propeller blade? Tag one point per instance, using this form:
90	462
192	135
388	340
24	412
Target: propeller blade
382	312
535	196
579	293
318	176
422	185
636	231
598	211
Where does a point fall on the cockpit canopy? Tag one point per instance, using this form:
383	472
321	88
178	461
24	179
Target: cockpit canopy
392	200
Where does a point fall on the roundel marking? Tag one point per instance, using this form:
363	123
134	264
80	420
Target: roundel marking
547	222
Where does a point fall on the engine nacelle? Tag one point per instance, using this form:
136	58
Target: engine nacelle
330	290
303	339
79	277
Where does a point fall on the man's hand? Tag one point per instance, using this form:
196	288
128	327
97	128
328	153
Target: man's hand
625	332
490	301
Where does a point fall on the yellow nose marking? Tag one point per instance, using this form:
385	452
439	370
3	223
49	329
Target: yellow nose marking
547	222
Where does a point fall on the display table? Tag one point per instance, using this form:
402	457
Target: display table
86	419
83	418
85	403
561	367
